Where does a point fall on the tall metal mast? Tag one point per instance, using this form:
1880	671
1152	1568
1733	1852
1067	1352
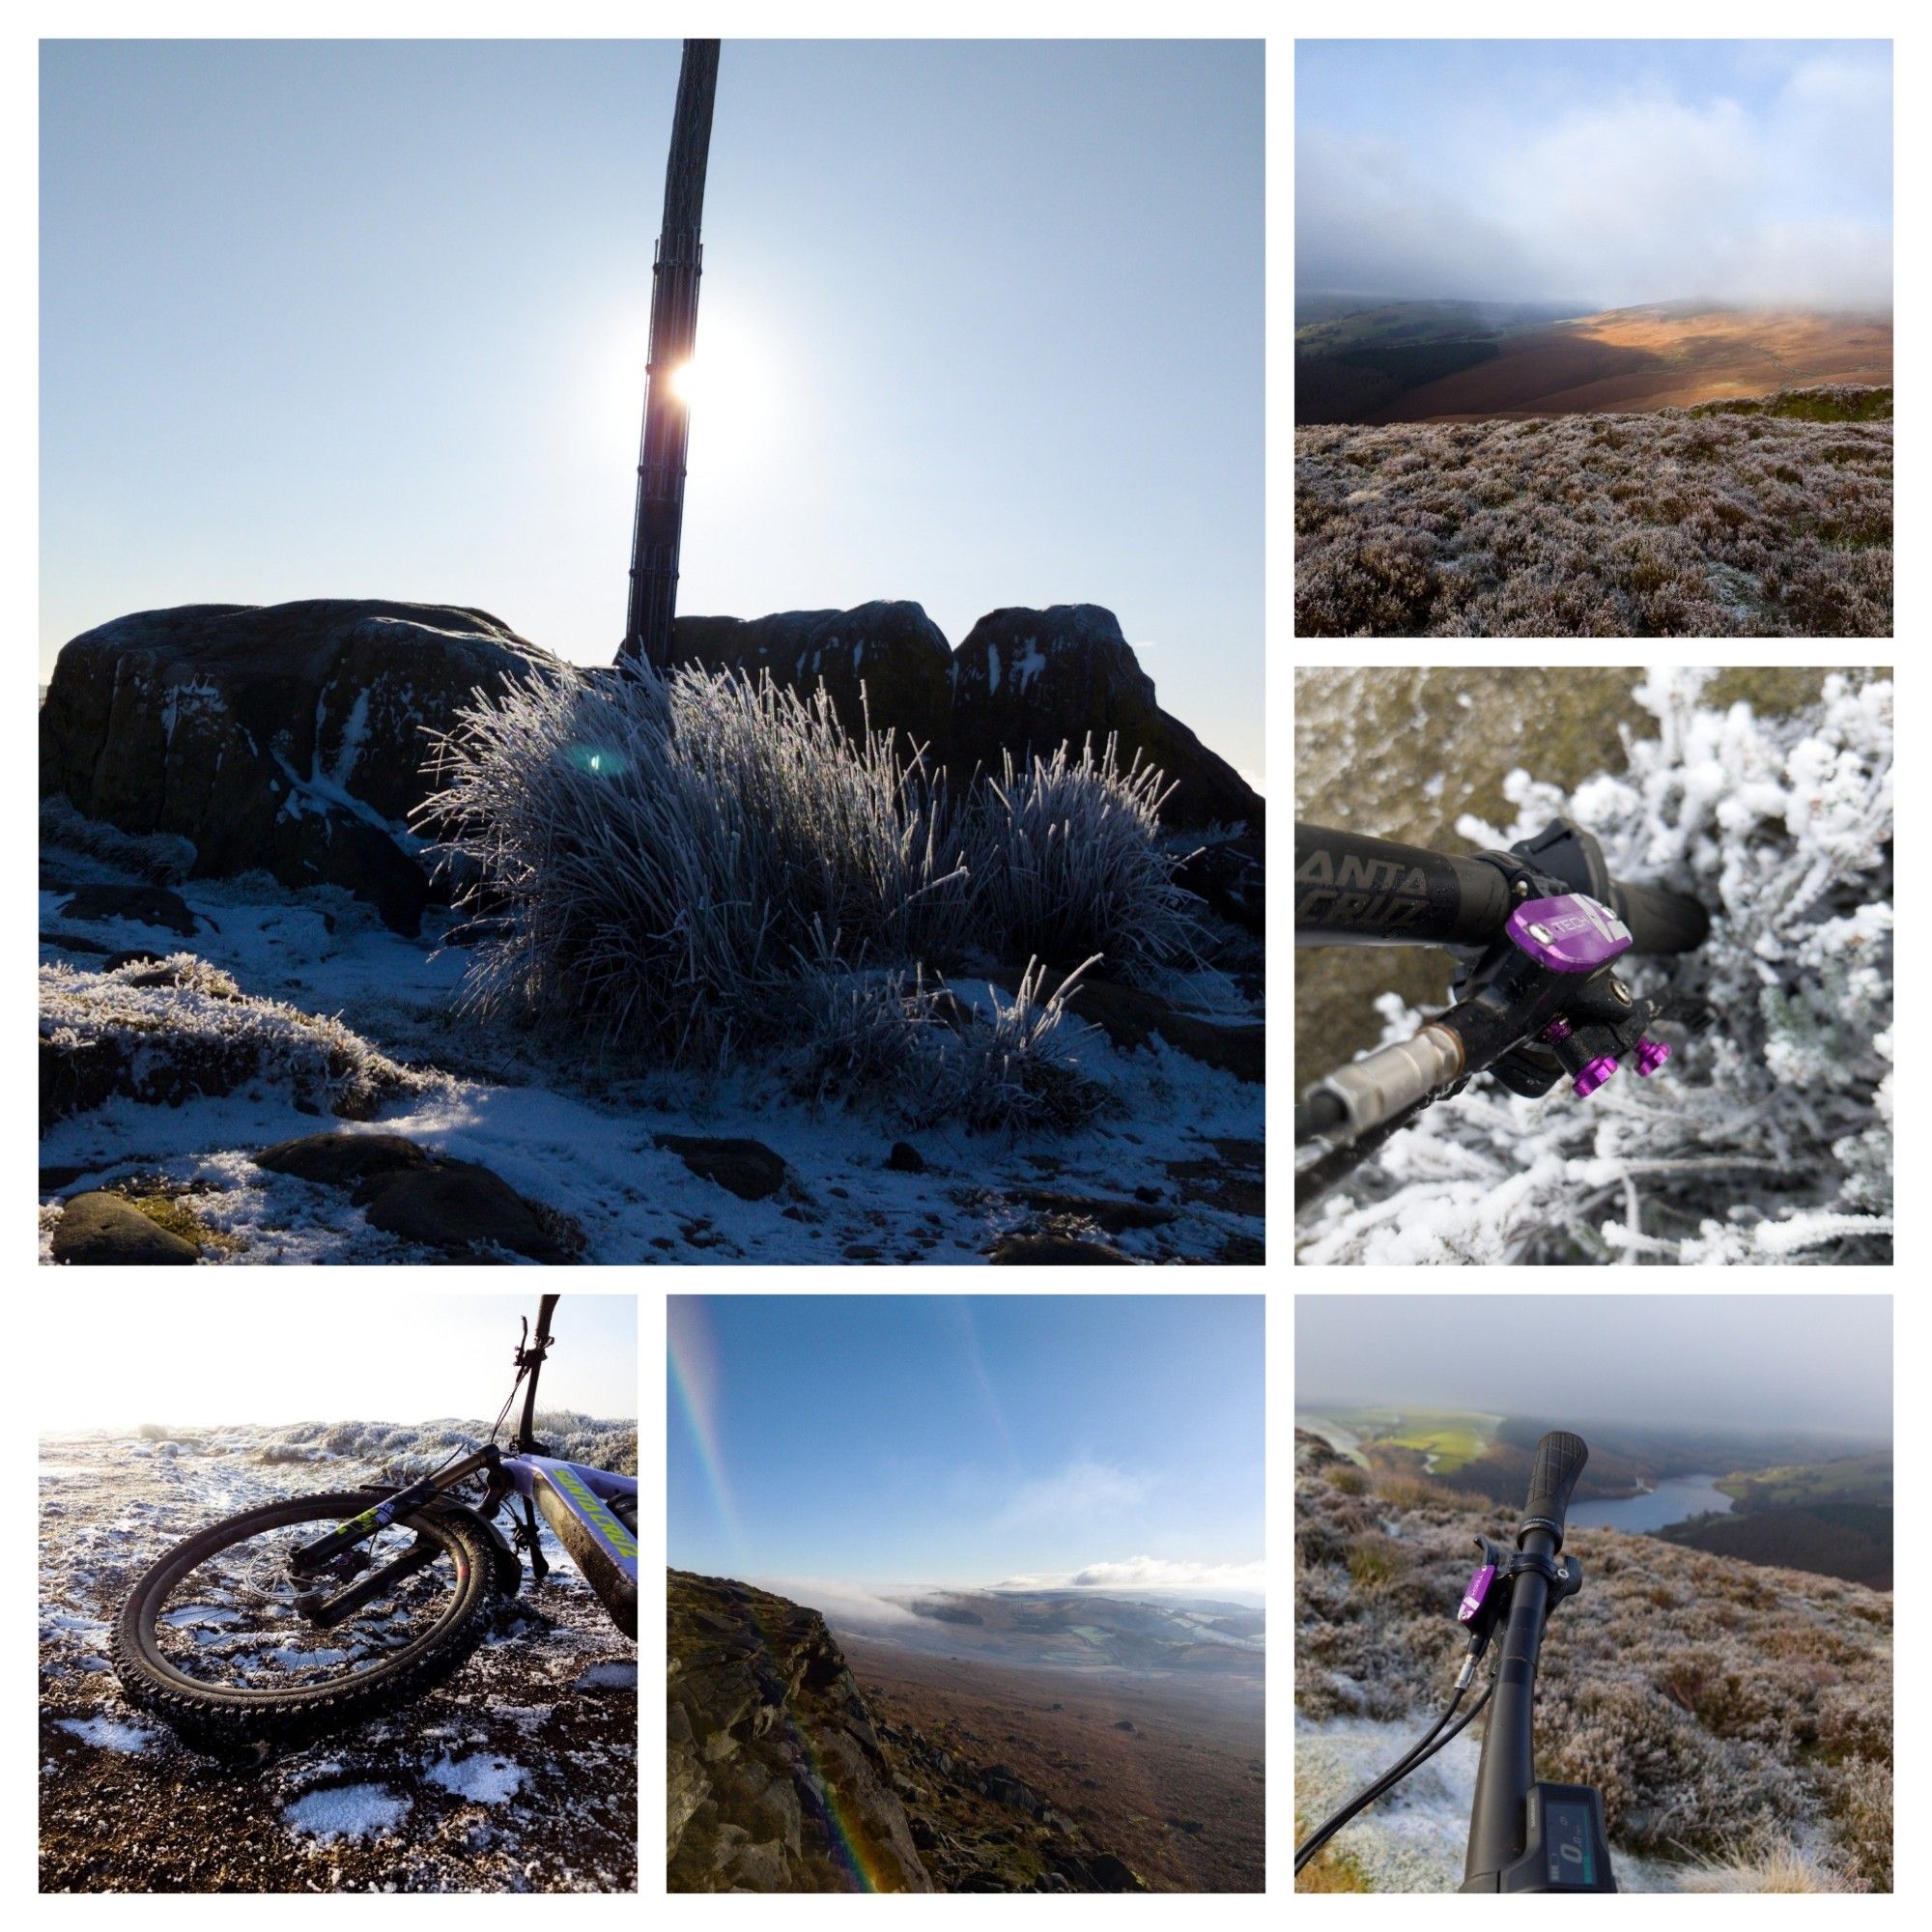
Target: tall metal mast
654	543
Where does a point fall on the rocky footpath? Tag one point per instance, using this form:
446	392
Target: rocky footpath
780	1781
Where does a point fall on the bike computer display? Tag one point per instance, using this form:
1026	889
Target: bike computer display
1565	1846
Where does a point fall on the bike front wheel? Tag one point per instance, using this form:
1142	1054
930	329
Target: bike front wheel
227	1643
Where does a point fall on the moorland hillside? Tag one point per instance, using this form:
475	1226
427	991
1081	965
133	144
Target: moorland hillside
1749	518
1737	1719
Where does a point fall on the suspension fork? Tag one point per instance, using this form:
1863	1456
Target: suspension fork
405	1502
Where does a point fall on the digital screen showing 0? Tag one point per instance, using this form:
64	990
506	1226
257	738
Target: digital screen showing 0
1568	1844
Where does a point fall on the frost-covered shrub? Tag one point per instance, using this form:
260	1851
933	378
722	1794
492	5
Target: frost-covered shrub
659	856
909	1046
693	866
167	1032
1064	862
1766	1139
1771	518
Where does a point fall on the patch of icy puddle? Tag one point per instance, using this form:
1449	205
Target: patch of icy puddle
482	1780
346	1812
108	1734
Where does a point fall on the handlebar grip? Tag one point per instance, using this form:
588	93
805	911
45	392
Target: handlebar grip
1559	1460
1662	920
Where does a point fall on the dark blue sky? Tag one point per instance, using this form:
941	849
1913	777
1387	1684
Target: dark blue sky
971	1439
981	325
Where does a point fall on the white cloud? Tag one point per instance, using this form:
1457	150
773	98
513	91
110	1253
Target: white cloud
1641	196
836	1601
1148	1573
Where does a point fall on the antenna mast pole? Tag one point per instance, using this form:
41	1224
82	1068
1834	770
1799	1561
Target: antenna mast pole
660	519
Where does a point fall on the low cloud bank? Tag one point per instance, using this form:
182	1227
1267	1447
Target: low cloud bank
1646	195
1148	1573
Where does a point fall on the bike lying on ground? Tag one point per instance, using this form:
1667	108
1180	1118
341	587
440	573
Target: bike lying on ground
302	1617
1537	931
1523	1836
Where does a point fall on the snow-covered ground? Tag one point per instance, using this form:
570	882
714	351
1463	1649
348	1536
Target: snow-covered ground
1413	1839
582	1139
464	1790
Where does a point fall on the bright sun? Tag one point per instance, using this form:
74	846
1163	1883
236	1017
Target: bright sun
731	388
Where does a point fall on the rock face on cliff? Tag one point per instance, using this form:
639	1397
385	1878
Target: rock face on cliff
894	649
1027	681
1022	681
780	1779
776	1781
288	737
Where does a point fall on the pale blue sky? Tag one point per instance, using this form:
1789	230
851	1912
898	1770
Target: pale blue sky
875	1439
985	322
1608	172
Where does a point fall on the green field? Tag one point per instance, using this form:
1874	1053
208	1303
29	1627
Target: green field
1848	1479
1453	1436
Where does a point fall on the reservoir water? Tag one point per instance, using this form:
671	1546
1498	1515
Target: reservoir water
1671	1501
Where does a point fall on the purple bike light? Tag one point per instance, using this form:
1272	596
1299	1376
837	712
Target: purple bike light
1594	1074
1474	1596
1570	934
1651	1054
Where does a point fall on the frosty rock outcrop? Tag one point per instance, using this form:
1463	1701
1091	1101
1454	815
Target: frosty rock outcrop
290	737
776	1778
1022	681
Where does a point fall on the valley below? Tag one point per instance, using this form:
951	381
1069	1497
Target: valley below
1164	1767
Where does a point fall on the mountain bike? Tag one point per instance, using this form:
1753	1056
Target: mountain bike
1536	931
1524	1836
306	1616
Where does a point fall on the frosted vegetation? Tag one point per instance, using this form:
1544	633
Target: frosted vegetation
1769	518
407	1449
1766	1139
166	1031
699	867
1738	1719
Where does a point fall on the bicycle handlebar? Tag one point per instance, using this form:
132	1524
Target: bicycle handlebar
1559	1460
1660	921
1353	890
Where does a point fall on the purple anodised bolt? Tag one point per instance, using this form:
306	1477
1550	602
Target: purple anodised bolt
1594	1074
1556	1030
1472	1597
1651	1054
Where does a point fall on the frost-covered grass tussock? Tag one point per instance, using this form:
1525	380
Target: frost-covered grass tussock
1775	523
1737	1719
692	868
165	1032
1766	1138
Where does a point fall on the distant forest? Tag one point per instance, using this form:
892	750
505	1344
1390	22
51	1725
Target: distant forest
1849	1540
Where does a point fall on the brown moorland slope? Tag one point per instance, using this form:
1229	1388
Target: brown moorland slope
1164	1767
1647	358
